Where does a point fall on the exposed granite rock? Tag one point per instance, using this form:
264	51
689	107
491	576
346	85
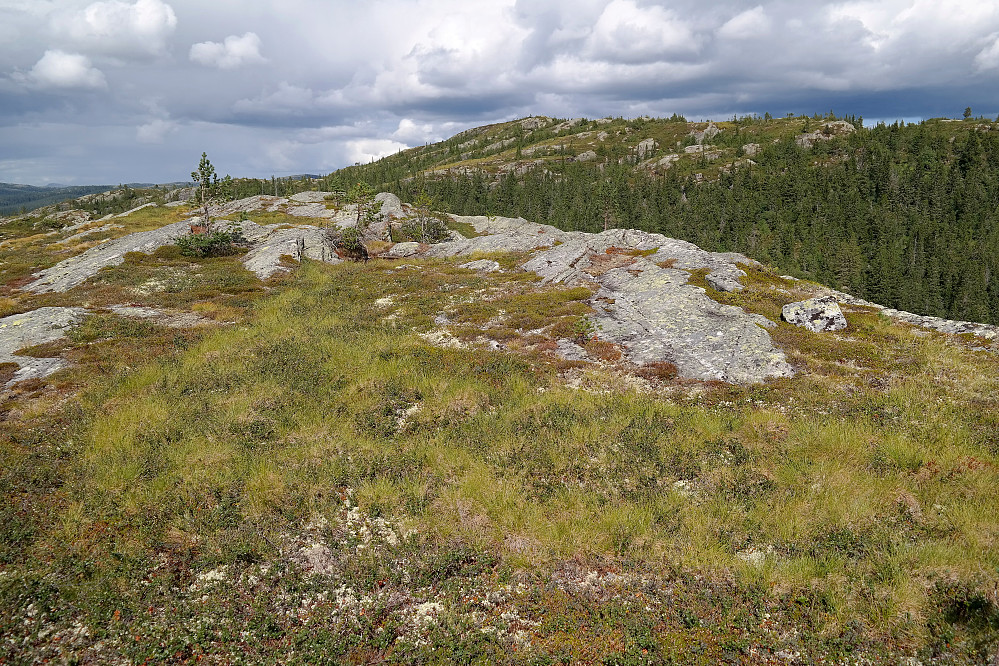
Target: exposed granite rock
265	259
751	149
400	250
816	314
646	147
706	134
75	270
722	282
309	197
949	326
534	122
586	156
391	205
505	234
35	328
169	318
482	265
650	311
829	130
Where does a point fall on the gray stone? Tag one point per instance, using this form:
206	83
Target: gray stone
751	149
265	259
828	131
137	208
309	197
317	210
482	265
169	318
391	205
816	314
503	234
73	271
646	147
650	311
707	133
34	328
586	156
534	122
722	282
400	250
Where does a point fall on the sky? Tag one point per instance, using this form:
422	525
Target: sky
135	90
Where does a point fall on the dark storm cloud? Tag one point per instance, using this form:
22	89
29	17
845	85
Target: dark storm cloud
114	90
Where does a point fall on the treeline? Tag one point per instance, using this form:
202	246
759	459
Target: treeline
24	198
906	216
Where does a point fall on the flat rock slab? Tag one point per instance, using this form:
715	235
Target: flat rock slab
647	308
35	328
73	271
169	318
816	314
482	265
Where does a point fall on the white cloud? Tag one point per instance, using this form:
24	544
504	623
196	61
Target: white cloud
119	28
750	23
155	131
233	52
626	32
57	69
366	150
412	133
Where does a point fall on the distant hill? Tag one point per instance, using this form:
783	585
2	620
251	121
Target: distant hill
898	214
14	198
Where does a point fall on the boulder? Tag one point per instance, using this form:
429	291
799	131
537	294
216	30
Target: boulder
483	265
815	314
646	147
400	250
723	282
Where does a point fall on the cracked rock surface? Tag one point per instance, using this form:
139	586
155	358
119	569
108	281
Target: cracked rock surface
35	328
649	310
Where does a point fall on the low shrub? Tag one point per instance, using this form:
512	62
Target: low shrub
212	244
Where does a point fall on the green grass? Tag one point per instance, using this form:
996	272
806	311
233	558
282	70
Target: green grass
466	504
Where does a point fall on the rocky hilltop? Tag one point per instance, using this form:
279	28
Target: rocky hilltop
643	301
479	446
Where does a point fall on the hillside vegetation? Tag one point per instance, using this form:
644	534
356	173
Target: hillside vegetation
903	215
14	198
311	476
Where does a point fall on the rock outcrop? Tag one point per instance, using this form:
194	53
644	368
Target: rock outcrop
816	314
643	301
647	308
35	328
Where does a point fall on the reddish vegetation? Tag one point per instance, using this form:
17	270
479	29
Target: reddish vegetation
661	370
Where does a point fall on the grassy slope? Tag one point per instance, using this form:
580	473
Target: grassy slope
172	491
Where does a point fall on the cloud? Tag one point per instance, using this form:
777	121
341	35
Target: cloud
988	58
118	28
750	23
628	33
412	133
410	71
233	52
366	150
57	69
155	131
